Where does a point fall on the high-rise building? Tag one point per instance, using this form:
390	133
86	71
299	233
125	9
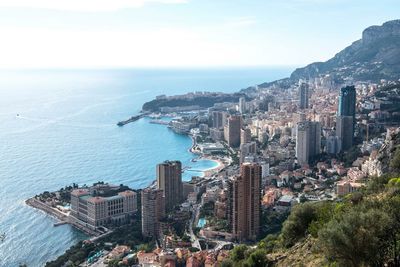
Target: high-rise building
345	132
347	102
169	180
218	119
304	95
242	105
245	136
247	149
332	144
346	117
308	141
246	202
232	130
153	210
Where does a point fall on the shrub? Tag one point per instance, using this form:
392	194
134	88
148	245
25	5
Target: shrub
358	238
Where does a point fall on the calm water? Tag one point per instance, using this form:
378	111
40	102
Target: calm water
66	133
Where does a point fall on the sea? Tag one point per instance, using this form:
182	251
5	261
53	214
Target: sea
58	127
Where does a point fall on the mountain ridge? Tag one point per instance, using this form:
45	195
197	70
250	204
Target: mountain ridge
375	56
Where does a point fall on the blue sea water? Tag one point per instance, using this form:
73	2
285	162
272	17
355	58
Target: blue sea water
65	133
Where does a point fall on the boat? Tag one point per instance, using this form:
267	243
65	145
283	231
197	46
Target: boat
2	237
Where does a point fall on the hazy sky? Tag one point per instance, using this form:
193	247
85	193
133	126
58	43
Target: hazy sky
137	33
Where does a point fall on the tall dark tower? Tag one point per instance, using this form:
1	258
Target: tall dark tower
304	94
346	117
347	102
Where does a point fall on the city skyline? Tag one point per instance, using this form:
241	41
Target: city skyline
181	33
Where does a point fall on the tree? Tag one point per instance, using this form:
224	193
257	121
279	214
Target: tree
303	198
227	263
145	247
239	253
268	243
395	162
258	259
358	238
296	226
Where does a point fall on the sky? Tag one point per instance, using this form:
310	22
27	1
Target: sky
182	33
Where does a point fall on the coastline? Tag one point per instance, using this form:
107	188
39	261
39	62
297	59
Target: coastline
58	240
64	218
210	171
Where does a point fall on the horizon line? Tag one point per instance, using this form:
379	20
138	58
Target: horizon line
294	66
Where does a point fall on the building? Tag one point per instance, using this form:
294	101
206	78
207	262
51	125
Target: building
346	187
344	124
212	148
304	95
218	119
242	105
169	180
232	131
245	136
203	128
216	134
153	210
308	141
110	206
286	201
247	149
246	202
345	132
347	102
332	144
150	259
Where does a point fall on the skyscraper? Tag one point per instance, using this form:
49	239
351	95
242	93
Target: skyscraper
332	144
346	117
304	95
232	130
153	210
169	180
242	105
247	149
245	136
308	141
246	202
345	132
347	102
218	119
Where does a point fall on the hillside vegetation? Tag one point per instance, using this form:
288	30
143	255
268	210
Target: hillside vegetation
362	229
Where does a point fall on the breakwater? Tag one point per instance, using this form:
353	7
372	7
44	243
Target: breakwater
132	119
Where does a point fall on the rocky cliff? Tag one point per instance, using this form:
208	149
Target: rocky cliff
375	56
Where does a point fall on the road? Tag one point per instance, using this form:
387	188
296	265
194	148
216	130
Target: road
193	219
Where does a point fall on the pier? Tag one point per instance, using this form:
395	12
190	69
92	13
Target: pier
59	223
132	119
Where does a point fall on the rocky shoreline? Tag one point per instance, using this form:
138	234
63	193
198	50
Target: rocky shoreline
63	218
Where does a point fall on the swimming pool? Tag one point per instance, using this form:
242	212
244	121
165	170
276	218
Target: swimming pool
202	222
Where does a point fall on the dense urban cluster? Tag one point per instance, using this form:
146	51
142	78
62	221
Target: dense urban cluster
275	147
